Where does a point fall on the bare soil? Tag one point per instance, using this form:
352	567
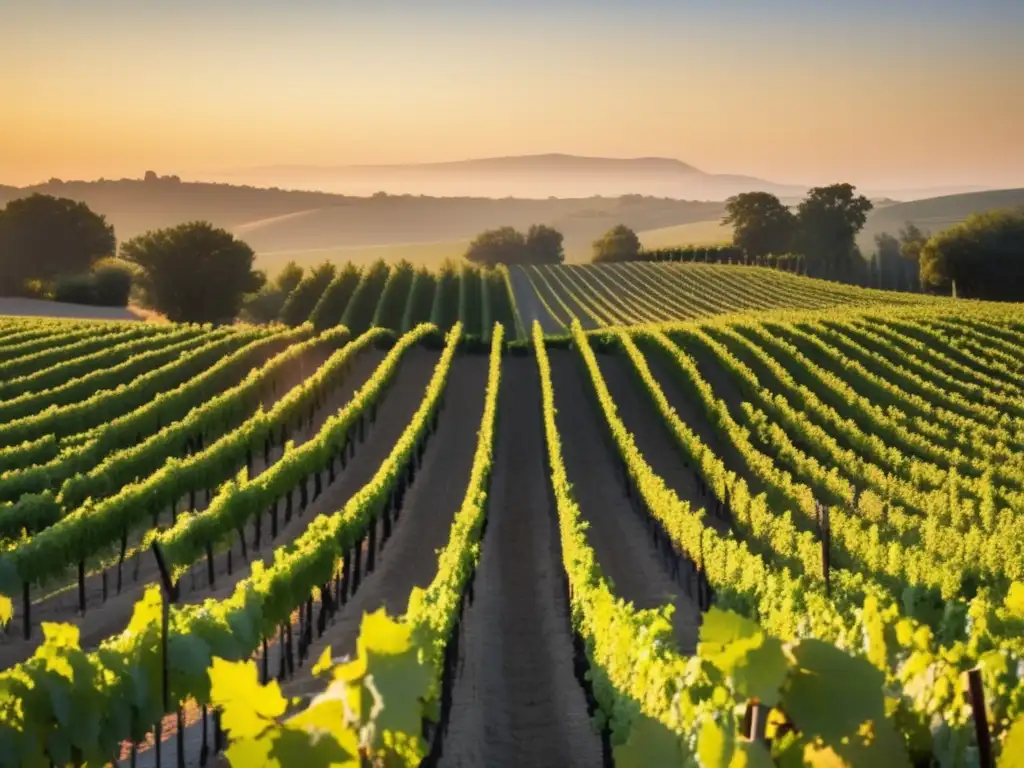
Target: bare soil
621	540
409	557
516	701
530	306
652	437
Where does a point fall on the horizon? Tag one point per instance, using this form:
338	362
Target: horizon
907	97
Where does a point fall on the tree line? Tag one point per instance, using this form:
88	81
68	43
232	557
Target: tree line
982	258
57	248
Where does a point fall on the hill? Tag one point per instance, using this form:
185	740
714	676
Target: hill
295	222
541	176
938	213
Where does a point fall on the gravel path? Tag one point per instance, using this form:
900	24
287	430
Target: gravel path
516	701
620	538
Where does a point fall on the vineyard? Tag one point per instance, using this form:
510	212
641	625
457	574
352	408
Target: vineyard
659	514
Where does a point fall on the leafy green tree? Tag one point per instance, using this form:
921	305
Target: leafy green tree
42	237
544	245
194	272
619	243
829	219
984	256
761	224
504	245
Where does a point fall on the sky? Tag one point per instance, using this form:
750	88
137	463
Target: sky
893	92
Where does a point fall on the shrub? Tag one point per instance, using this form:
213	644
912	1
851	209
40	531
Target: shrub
75	289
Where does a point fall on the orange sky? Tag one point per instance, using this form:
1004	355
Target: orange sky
114	89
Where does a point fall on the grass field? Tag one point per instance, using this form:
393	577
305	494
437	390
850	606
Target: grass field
559	516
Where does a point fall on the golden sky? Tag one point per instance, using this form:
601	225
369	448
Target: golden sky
922	94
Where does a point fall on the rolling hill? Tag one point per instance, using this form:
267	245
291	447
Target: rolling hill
530	176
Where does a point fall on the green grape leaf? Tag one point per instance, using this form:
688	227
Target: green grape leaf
247	753
751	754
716	745
744	652
1013	746
248	707
393	673
650	743
294	746
856	733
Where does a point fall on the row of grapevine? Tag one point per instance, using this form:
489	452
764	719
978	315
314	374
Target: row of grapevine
854	615
301	302
395	298
444	312
135	362
106	688
335	299
421	300
96	527
361	310
246	498
206	372
47	343
419	644
470	308
603	295
105	405
47	377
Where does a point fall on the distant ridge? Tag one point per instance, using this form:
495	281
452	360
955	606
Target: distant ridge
530	176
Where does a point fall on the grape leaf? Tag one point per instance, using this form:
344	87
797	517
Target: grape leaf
744	652
248	707
1013	746
856	733
650	743
394	672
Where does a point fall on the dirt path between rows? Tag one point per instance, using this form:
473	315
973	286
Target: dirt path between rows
652	437
620	538
691	411
409	558
529	304
516	701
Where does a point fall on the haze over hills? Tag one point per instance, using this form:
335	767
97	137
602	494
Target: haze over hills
311	226
531	176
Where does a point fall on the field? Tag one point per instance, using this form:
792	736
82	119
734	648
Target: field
649	514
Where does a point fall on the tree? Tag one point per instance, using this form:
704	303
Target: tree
544	245
829	219
761	224
888	262
498	246
984	256
911	241
193	272
42	237
619	243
